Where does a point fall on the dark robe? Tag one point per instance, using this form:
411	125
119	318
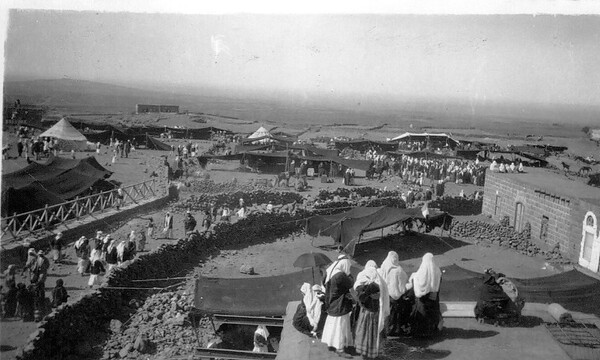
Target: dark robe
112	256
97	268
10	304
300	321
492	301
425	315
302	324
338	296
400	310
59	296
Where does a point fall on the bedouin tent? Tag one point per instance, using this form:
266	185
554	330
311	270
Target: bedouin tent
261	135
436	137
348	226
256	296
56	181
154	144
68	137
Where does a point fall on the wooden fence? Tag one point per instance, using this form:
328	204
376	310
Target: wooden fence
18	225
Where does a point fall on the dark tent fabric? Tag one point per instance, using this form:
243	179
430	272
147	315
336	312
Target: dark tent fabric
154	144
32	197
255	296
347	226
572	289
58	180
266	296
363	145
54	167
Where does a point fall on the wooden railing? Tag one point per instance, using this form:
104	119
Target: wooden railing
17	225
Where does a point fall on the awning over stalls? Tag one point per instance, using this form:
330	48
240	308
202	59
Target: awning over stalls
351	163
363	145
348	226
425	154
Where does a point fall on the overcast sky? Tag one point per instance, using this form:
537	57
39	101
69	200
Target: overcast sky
496	58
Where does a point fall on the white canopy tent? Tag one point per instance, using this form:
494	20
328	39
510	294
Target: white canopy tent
68	137
408	135
263	135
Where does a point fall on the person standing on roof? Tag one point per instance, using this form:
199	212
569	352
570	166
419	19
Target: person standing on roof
337	333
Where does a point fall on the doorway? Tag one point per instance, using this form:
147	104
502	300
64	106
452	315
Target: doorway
589	255
518	217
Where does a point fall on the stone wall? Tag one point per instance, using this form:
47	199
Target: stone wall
502	234
64	334
501	196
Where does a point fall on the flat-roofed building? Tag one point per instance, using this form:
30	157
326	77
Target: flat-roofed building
149	108
560	211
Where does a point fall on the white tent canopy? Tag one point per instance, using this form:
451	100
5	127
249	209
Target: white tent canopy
262	134
408	135
68	137
63	130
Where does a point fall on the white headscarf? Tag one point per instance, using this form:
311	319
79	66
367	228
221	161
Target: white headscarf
79	242
262	330
342	264
312	304
427	278
120	250
394	276
94	255
132	235
370	275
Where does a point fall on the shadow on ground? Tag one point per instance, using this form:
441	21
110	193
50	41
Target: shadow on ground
393	349
4	348
408	246
448	334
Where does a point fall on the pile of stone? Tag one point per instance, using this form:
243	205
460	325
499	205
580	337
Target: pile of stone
159	328
503	235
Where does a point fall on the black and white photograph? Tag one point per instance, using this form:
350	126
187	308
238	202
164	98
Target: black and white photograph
258	180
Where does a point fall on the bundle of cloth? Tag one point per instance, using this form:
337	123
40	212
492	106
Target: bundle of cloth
498	298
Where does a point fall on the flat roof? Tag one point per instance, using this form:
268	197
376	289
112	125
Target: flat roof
555	182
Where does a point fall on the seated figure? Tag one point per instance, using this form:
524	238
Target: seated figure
498	299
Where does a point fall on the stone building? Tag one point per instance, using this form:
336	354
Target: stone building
560	210
145	108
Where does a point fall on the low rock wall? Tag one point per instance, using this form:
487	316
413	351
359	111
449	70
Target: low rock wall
504	235
65	332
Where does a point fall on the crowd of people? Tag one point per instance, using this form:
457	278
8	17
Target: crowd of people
29	302
354	315
96	257
501	166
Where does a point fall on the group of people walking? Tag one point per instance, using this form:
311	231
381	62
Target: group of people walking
354	315
103	253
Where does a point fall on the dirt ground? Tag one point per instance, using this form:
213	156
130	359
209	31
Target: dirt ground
274	258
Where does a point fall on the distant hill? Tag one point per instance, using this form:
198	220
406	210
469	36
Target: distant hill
89	96
69	96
